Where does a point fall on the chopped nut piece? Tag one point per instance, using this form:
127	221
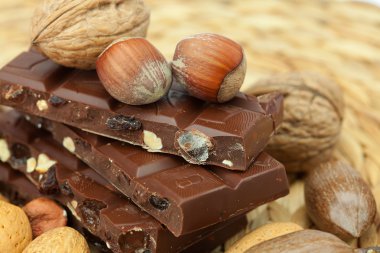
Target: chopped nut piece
4	151
228	163
14	92
31	164
72	209
152	141
42	105
68	143
44	163
74	203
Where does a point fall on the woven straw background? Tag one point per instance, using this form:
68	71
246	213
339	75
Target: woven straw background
336	38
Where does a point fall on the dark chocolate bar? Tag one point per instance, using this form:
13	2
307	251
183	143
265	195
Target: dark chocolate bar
229	135
92	200
19	190
185	197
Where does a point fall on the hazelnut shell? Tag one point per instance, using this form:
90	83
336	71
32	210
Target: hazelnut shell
211	67
134	72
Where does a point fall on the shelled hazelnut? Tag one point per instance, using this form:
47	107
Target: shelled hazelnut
44	214
211	67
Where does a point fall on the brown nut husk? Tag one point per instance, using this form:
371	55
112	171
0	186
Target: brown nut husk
339	201
44	214
304	241
59	240
313	114
15	230
73	33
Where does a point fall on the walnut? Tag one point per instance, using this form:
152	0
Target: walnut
73	33
312	119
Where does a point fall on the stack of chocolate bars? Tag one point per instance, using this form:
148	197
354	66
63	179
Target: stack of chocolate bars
118	168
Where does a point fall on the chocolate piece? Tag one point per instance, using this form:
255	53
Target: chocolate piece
19	190
238	130
91	199
166	186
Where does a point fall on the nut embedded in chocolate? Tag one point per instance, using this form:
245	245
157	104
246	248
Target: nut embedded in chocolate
14	93
120	122
159	203
194	146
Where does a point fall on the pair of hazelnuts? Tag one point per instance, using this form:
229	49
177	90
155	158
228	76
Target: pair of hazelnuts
209	66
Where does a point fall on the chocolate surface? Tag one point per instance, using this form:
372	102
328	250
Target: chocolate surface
185	197
92	200
229	135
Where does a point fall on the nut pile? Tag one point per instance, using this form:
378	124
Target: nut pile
43	220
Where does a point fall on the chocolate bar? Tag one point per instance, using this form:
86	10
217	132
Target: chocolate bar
20	190
92	200
166	186
229	135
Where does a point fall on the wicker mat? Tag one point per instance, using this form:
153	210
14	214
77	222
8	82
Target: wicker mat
336	38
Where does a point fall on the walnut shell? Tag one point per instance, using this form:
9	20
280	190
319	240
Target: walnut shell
73	33
312	118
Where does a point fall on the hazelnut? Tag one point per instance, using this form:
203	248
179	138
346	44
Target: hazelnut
134	72
44	163
5	154
152	141
211	67
44	214
69	144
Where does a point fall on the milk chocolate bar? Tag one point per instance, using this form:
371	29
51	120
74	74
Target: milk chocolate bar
19	190
91	199
185	197
229	135
15	186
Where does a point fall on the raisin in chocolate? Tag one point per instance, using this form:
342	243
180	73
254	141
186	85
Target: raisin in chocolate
57	101
48	182
121	122
66	189
20	154
159	203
